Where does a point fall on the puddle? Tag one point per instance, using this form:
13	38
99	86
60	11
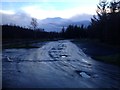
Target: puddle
53	49
60	48
86	62
85	75
7	59
63	56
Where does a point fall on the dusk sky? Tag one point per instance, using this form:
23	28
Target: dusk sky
42	9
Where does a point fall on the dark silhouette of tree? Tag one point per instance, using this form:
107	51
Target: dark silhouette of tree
34	25
62	33
101	7
106	25
74	31
63	30
114	6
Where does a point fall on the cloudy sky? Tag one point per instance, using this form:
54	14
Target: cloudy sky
17	10
41	9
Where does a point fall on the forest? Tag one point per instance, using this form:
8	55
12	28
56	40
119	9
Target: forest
105	27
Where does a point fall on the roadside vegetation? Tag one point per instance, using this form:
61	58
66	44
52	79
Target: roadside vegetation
112	59
24	43
99	51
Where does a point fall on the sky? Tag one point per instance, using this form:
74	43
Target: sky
42	9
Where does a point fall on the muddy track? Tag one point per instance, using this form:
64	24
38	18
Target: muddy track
59	61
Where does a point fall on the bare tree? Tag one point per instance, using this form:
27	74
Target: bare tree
34	25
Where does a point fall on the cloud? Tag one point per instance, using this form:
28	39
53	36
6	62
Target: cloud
41	13
42	9
40	0
37	12
81	17
7	12
21	19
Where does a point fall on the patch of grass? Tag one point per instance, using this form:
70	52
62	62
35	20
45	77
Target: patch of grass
26	44
19	46
112	59
104	55
84	40
20	43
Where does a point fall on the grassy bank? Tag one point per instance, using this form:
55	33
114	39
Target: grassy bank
99	51
18	46
24	43
21	43
112	59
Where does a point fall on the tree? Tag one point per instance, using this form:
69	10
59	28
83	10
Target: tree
63	30
101	7
106	25
34	23
114	6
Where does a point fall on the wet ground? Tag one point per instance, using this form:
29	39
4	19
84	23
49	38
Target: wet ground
57	64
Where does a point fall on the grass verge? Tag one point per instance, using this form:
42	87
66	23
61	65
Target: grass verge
24	43
27	44
16	46
99	51
112	59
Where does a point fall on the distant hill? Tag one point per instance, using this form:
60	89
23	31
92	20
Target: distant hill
56	24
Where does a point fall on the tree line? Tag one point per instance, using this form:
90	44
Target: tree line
32	32
17	32
73	32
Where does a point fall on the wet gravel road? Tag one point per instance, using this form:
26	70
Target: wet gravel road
57	64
